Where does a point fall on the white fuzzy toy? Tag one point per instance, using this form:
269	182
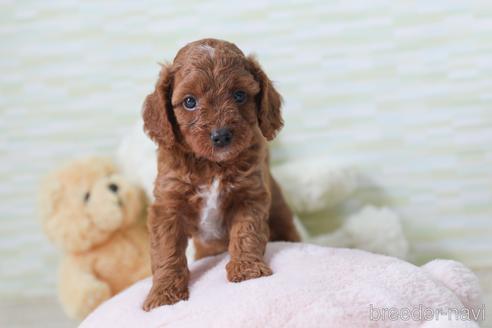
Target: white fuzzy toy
316	186
136	158
373	229
309	186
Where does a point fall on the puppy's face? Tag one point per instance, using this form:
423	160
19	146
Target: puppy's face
214	104
213	100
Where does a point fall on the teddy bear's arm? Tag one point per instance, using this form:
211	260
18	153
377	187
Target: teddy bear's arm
79	290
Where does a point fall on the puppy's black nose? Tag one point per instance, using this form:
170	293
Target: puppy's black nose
221	137
113	187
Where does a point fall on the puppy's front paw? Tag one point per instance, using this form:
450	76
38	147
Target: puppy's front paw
240	270
160	295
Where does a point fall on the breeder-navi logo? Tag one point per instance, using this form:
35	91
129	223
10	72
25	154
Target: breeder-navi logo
422	313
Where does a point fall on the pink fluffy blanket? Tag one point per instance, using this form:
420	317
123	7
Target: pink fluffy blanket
311	286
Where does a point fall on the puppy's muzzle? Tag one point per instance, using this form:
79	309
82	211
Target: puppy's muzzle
221	137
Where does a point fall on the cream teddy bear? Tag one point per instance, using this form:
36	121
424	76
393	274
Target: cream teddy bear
97	219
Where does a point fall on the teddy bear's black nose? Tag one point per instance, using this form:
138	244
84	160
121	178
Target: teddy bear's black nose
113	187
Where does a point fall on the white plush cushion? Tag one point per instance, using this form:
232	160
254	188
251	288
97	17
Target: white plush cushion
311	286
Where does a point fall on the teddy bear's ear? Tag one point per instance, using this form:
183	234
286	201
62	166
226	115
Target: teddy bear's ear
269	102
69	231
52	211
50	195
104	165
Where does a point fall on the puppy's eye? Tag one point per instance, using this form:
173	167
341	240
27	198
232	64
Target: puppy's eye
189	103
87	196
239	96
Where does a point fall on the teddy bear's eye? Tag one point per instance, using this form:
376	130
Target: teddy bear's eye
87	196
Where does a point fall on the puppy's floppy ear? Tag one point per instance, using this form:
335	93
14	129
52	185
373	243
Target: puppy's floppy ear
269	102
158	116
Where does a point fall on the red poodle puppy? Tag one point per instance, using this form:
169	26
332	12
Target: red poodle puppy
211	114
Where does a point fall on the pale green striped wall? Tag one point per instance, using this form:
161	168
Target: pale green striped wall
402	89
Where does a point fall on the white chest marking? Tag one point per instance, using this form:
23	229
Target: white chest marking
211	226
